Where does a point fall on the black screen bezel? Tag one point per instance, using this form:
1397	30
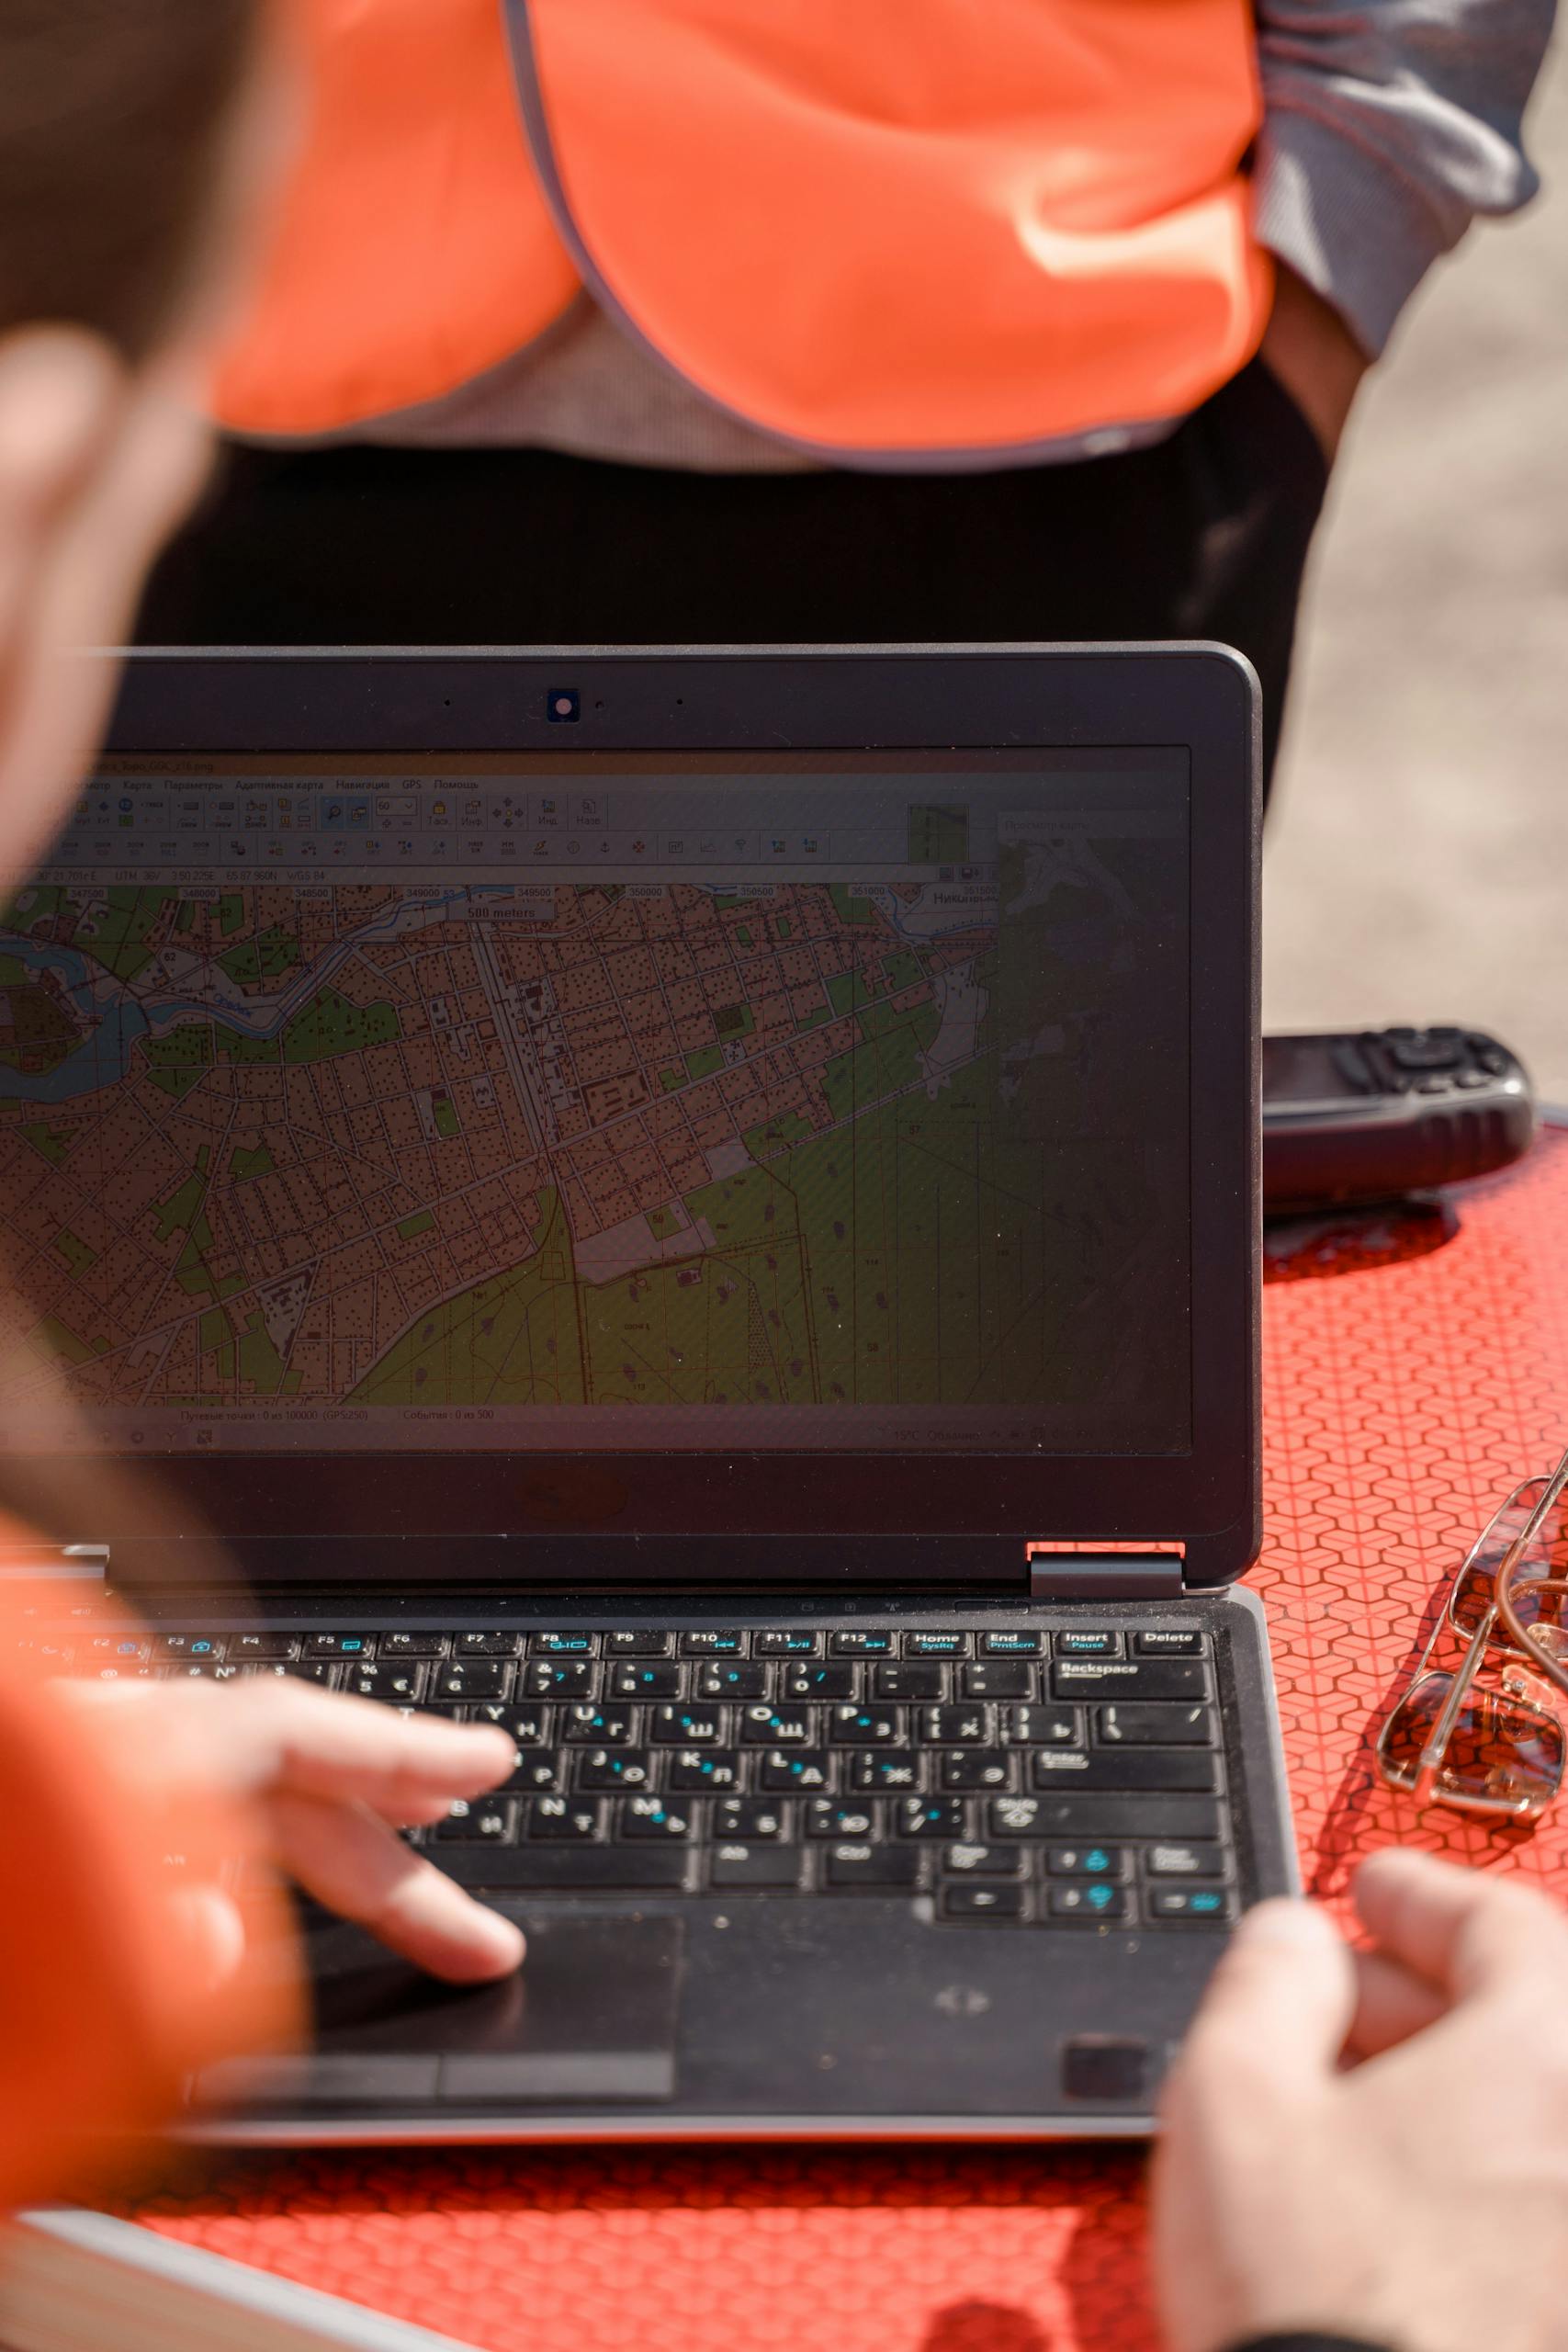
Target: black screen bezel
306	1513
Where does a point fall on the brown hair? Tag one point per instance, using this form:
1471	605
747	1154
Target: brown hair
112	114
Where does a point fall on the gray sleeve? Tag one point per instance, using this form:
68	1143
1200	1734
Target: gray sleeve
1388	126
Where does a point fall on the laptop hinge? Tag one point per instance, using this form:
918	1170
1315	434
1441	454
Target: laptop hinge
1105	1571
34	1562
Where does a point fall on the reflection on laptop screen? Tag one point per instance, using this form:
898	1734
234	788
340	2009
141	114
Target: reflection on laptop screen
816	1101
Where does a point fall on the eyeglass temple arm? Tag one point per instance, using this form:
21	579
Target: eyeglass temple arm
1503	1597
1431	1758
1431	1761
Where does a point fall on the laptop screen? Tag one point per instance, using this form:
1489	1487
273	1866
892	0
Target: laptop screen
602	1101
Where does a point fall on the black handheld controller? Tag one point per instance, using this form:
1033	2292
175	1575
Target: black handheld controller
1369	1115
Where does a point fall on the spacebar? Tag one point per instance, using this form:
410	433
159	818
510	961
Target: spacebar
566	1867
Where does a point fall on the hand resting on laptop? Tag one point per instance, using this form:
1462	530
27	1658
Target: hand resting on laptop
329	1781
1374	2143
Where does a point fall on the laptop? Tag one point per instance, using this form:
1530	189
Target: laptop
701	1206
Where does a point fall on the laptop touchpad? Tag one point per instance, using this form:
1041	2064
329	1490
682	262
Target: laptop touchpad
592	2016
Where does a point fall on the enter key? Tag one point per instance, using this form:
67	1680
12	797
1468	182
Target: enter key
1135	1723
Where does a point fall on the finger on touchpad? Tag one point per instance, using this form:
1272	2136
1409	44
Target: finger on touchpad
592	2016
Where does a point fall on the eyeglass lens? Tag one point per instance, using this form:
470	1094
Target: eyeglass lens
1503	1753
1546	1556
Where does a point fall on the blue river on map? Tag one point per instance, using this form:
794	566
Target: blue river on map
116	1020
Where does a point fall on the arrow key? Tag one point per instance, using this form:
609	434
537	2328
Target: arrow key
1091	1906
1086	1861
981	1902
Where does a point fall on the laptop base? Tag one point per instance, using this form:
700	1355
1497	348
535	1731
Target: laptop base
989	1992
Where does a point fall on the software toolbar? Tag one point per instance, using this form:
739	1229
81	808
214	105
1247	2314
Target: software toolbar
150	824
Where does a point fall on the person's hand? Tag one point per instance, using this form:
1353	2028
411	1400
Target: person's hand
1312	351
327	1780
1375	2144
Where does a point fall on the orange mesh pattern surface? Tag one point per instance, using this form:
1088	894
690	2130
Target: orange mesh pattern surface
1417	1367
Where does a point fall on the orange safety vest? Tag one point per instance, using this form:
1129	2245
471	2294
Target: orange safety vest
901	231
104	2009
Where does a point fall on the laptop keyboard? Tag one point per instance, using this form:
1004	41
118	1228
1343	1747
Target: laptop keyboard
1069	1778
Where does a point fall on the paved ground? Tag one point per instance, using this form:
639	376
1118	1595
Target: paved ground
1417	860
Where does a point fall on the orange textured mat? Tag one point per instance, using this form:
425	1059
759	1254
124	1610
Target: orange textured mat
1417	1367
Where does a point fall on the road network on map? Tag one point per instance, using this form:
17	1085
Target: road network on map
291	1148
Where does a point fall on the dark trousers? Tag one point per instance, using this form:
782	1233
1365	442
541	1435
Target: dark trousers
1203	535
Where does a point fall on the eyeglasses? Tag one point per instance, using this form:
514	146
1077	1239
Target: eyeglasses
1486	1733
